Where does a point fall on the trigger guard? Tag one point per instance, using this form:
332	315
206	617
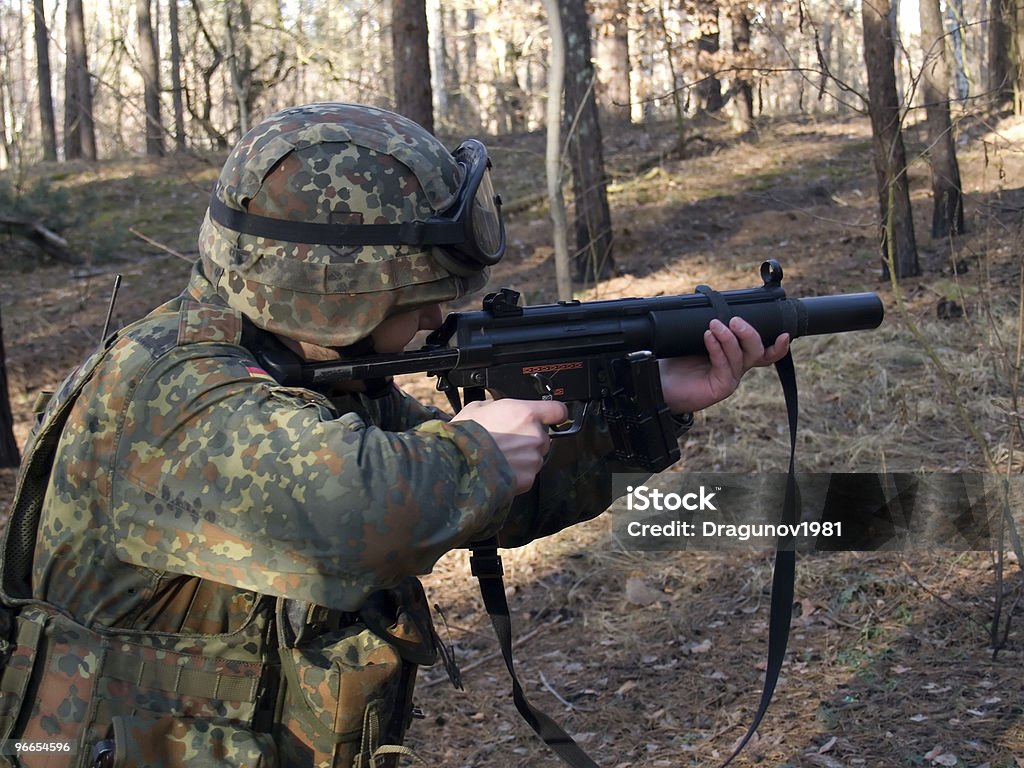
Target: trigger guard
575	427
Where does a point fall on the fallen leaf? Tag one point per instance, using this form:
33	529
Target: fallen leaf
626	687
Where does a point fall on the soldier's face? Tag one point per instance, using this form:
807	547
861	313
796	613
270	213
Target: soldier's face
395	333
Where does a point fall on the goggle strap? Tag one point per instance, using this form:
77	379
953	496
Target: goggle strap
417	233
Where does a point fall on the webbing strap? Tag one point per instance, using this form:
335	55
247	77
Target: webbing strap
784	575
485	563
166	675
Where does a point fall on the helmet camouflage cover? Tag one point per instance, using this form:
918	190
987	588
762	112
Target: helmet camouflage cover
332	163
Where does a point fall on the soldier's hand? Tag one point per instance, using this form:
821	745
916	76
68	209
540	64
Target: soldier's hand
694	383
520	428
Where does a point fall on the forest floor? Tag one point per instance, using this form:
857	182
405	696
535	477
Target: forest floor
657	659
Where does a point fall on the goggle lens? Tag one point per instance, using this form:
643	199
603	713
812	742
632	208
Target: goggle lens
488	230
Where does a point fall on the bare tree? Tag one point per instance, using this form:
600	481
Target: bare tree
890	156
947	202
79	129
553	153
612	48
955	15
7	142
1000	59
253	71
670	57
593	259
1016	55
46	119
8	445
709	87
413	94
200	105
149	68
176	100
742	88
437	41
238	32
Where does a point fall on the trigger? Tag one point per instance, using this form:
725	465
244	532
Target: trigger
566	429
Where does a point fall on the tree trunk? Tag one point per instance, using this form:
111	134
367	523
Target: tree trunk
201	108
1017	58
593	260
413	96
553	154
955	14
48	125
613	60
79	130
1000	76
149	68
947	198
709	87
742	88
670	56
8	445
7	148
889	153
437	39
176	100
238	23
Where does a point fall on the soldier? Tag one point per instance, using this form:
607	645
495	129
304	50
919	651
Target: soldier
203	564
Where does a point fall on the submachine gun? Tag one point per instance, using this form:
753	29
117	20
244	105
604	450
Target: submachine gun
594	353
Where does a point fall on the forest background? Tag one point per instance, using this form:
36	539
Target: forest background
870	146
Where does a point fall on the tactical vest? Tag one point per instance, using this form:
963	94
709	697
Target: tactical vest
295	685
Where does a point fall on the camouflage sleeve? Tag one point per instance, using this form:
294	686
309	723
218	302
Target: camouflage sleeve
230	477
575	485
395	411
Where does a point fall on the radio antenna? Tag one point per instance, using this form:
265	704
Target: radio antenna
110	306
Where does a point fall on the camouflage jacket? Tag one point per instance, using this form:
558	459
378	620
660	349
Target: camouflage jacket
189	488
185	466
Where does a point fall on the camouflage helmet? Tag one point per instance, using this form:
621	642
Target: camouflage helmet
344	166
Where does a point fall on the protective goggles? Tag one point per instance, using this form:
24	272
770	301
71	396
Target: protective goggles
470	233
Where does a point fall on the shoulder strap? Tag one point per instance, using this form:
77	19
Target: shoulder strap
784	574
485	563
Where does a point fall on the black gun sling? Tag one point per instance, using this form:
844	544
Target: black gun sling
485	563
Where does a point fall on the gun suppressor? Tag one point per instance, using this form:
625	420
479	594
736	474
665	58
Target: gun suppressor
681	331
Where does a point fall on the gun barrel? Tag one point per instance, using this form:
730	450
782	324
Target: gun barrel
839	314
